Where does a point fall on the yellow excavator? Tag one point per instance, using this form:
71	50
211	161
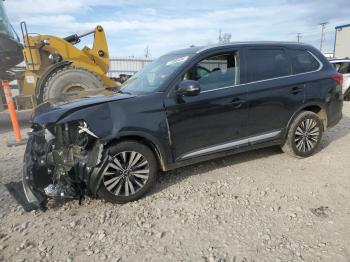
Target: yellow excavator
56	68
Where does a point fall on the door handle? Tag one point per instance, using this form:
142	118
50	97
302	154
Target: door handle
236	102
296	90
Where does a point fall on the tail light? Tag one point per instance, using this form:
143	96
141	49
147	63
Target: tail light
338	78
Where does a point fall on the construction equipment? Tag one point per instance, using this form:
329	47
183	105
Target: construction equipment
10	46
56	68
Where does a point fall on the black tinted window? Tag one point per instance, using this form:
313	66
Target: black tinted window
303	61
344	68
215	72
267	63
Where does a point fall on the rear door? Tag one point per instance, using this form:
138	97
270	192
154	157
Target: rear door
273	94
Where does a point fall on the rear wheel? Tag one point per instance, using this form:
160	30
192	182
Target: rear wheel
304	135
130	174
68	82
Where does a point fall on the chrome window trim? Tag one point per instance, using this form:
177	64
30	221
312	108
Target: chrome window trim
269	79
339	61
230	145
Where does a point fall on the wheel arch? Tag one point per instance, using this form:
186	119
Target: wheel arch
313	107
147	141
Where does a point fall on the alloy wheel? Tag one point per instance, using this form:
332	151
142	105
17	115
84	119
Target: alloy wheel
126	174
307	135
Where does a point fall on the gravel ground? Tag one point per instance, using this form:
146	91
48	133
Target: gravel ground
255	206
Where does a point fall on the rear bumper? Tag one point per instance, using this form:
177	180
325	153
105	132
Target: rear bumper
335	119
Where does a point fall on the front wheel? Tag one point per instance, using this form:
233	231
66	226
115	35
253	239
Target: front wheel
304	135
130	173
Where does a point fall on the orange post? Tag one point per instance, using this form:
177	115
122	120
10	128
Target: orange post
12	110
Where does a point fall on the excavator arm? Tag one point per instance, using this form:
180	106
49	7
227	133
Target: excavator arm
57	49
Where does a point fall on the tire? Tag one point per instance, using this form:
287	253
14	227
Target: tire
347	95
115	185
304	135
70	80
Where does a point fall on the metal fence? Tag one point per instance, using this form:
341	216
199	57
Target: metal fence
126	65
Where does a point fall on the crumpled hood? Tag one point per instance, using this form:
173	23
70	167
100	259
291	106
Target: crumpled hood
53	110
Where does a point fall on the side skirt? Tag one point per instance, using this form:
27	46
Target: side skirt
195	160
232	144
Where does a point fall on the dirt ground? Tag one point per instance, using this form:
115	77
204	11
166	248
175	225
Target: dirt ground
256	206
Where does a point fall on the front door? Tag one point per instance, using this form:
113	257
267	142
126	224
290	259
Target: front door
213	120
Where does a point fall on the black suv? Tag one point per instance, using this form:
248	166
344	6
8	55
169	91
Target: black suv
187	106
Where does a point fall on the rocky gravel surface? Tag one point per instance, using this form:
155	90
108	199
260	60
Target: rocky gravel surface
256	206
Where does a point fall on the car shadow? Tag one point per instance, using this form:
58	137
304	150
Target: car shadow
169	178
6	127
335	133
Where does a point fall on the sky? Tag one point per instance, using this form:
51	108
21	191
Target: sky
164	26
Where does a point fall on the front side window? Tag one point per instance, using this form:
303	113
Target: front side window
265	64
303	61
215	72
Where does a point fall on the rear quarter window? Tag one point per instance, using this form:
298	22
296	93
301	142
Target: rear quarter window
303	61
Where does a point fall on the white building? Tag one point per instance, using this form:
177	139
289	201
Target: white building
126	65
342	41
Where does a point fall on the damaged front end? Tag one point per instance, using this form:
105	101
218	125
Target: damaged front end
62	161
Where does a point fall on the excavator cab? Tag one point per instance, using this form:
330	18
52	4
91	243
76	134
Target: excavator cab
10	46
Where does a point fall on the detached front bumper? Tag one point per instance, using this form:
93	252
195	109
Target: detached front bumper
33	195
83	178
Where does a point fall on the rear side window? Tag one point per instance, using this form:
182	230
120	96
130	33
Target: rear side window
267	63
303	61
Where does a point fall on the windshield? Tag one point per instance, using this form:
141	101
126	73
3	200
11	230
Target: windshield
153	75
5	27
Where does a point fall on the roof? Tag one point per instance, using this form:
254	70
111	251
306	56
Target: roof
334	60
342	26
199	49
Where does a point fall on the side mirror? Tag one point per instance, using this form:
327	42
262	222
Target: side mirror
188	88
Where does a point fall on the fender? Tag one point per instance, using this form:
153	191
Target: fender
297	112
39	89
95	177
165	156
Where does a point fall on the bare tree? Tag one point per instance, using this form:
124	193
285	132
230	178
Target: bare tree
298	37
224	38
147	52
323	26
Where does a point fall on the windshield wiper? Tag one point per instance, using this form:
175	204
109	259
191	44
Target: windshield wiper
123	92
